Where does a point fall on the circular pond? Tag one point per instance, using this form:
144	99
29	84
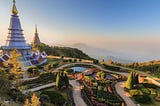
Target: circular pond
78	69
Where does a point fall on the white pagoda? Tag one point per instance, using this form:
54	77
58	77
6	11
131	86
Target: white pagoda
15	38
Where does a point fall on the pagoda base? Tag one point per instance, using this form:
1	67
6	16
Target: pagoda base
22	50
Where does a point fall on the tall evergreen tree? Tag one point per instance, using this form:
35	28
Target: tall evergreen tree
58	81
62	80
136	80
129	82
15	63
66	80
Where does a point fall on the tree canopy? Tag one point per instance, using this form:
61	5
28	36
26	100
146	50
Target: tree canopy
62	80
132	80
62	51
15	63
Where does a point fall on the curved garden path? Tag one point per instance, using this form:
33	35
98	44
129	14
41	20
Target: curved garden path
97	66
39	88
125	95
78	100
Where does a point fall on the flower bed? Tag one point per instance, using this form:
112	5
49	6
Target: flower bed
102	93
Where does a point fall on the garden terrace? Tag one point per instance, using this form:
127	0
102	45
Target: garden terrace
101	92
44	78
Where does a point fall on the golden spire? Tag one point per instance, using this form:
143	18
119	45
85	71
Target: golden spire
14	9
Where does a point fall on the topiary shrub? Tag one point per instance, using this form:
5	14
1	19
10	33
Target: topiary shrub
32	70
65	60
135	92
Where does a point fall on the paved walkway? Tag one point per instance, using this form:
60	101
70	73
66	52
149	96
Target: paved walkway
39	88
78	100
125	95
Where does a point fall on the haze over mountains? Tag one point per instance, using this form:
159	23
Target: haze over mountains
115	55
102	53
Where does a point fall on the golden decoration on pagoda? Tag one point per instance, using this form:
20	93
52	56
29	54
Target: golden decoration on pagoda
14	9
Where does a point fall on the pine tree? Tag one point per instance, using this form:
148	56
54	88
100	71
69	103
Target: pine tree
129	82
133	77
66	80
62	80
35	100
59	82
136	78
15	63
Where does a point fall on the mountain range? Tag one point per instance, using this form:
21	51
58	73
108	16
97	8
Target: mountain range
103	53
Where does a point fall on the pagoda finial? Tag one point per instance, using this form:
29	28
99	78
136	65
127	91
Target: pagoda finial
36	29
14	9
14	1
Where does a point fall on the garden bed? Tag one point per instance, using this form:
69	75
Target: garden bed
44	78
100	92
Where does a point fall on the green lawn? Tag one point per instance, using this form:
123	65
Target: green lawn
130	69
153	103
51	61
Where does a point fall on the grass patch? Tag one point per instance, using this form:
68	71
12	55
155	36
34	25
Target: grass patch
153	101
51	61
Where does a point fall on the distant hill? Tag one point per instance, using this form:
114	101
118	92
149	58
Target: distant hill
119	60
102	53
151	67
62	51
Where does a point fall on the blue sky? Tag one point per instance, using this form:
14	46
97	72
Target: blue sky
130	26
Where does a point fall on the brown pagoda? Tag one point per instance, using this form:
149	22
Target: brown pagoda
36	39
